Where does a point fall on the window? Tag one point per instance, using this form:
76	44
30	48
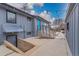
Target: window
28	33
68	26
12	39
29	19
10	17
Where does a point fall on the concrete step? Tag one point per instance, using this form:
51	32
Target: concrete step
5	51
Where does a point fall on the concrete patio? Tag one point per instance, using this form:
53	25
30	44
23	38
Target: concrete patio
43	47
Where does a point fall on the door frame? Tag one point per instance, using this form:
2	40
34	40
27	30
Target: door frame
11	35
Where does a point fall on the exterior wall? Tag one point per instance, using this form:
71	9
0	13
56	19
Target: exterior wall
44	30
35	27
27	26
72	33
21	20
2	21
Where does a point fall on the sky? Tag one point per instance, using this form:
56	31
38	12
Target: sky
57	10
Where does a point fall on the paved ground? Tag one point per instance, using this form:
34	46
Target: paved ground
43	47
51	47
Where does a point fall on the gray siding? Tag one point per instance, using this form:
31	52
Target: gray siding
2	21
21	20
72	34
35	27
27	26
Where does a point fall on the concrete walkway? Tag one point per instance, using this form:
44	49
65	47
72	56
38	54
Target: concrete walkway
44	47
49	47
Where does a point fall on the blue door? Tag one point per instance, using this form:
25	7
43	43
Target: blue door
38	25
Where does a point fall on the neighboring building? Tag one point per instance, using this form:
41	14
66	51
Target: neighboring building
72	22
17	24
43	27
58	24
57	21
62	25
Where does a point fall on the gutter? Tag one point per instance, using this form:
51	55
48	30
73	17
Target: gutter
42	19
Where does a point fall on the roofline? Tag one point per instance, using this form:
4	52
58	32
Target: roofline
14	9
43	19
70	8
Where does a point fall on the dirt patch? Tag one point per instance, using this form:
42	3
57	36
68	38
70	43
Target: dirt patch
24	45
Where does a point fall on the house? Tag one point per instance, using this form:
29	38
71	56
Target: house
57	21
16	24
42	27
72	28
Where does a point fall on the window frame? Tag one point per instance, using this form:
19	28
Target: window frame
67	26
29	33
29	19
7	17
12	35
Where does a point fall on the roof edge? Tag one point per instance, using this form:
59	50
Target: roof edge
70	8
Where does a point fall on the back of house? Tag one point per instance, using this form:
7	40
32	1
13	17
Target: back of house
18	24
